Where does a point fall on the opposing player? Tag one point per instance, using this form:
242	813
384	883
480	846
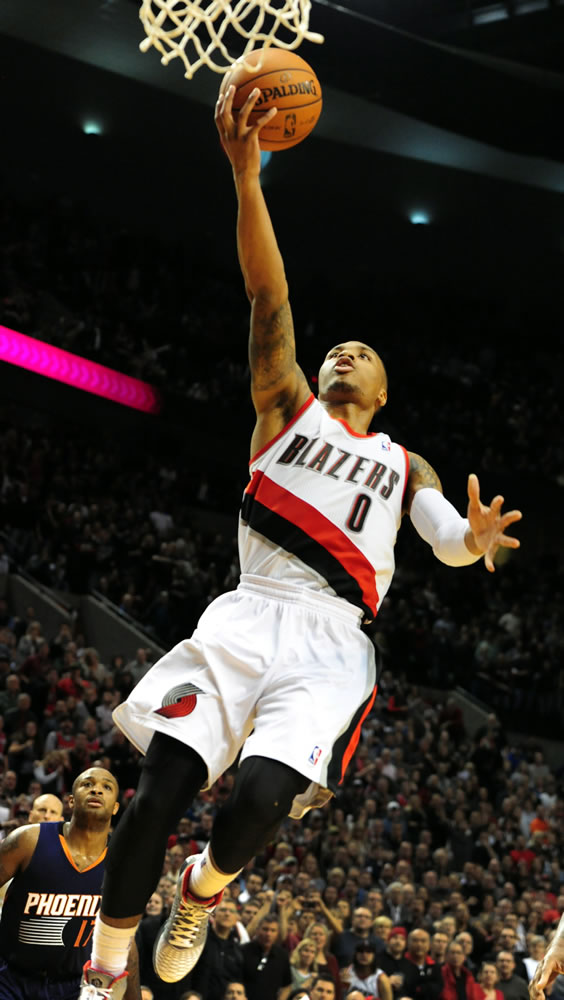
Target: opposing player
48	915
282	667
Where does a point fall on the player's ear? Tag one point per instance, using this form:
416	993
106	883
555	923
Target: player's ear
382	398
115	809
71	802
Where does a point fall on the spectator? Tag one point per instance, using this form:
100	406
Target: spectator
323	989
364	974
326	961
359	933
488	978
429	982
512	986
393	962
537	949
266	968
303	963
222	960
458	981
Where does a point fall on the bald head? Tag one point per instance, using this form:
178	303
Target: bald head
46	809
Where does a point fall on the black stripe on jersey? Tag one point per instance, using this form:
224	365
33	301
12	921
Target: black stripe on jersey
335	774
292	538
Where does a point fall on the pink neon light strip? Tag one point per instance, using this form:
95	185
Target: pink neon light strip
36	356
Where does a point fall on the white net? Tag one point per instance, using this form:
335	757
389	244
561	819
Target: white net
200	32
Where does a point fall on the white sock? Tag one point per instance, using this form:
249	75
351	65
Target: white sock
110	947
205	879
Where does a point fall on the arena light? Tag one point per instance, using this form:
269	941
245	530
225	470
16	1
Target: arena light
92	128
419	218
62	366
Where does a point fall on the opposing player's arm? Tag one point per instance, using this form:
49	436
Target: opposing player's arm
455	540
16	851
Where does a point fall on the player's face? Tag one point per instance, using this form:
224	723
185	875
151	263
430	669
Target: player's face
94	796
352	371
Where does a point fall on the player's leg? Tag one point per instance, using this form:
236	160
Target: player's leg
262	796
172	775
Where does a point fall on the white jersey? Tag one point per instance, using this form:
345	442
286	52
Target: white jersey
323	508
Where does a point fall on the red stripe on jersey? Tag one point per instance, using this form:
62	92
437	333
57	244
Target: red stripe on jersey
353	742
276	437
321	530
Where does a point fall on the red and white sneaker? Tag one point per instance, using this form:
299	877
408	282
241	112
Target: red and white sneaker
97	985
183	936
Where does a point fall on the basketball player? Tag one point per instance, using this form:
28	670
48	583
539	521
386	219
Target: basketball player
56	872
281	668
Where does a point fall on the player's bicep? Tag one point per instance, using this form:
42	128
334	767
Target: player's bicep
16	851
421	475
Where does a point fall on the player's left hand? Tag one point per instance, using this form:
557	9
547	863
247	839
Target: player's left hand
488	524
546	972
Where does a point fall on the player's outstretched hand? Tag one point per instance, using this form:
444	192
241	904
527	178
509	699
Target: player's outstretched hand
238	138
551	966
488	524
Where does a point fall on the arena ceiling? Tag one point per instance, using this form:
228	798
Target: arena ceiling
467	84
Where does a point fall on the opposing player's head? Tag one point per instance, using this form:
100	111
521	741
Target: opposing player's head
353	373
94	798
46	809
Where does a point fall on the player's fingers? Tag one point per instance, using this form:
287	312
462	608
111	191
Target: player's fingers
264	119
497	503
473	488
510	518
489	559
248	106
228	100
509	542
223	116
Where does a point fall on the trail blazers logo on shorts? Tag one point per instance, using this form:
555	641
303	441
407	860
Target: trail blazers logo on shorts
179	701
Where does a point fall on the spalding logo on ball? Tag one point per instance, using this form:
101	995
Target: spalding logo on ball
286	82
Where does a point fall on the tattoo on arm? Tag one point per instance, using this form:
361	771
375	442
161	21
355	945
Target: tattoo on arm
12	853
421	474
272	348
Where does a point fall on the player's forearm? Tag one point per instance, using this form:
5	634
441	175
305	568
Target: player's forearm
556	947
133	988
259	255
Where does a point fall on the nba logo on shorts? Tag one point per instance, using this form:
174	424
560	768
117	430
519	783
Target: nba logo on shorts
315	755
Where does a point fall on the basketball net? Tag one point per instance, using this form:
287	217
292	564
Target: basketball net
172	26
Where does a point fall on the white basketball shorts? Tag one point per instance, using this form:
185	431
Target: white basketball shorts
274	669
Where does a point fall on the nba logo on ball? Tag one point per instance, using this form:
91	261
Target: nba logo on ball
315	755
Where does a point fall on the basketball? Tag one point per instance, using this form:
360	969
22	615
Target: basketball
287	83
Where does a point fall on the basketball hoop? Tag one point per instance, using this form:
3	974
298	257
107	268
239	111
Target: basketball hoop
172	26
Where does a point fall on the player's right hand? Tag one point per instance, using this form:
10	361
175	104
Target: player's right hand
238	138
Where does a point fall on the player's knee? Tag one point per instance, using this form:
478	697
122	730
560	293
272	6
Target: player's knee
265	789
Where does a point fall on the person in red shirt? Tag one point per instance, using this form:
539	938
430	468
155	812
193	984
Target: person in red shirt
458	981
486	987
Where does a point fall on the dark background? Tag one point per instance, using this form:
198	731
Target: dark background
426	108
